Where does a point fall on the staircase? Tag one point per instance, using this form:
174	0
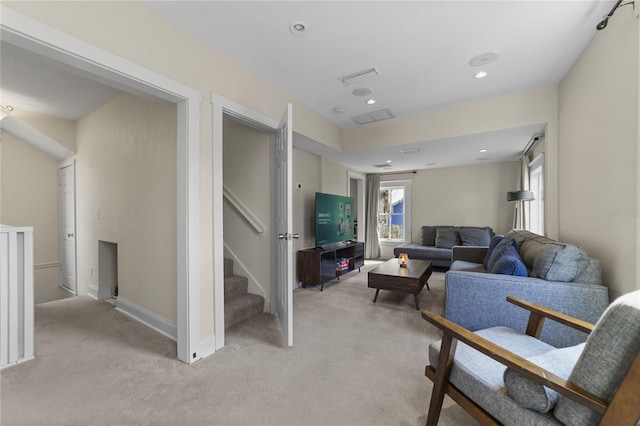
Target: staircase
239	305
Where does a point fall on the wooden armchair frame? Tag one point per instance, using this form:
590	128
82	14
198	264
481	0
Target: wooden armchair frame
624	408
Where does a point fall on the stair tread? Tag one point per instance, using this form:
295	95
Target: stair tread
242	308
235	286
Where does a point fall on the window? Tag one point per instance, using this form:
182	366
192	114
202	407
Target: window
536	184
394	211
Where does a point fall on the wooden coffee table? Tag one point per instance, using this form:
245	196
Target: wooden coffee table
410	279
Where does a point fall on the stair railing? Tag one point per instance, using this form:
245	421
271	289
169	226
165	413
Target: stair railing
243	210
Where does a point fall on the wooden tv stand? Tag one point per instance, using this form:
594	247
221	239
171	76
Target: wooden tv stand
318	265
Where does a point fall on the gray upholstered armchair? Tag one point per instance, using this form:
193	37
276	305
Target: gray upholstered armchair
503	376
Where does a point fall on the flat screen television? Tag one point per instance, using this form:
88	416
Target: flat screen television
334	219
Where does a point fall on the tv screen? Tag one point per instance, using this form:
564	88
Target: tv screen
334	219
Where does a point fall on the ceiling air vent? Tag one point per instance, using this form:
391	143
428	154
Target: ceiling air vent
370	117
383	166
359	76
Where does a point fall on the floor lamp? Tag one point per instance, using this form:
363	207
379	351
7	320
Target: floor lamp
519	197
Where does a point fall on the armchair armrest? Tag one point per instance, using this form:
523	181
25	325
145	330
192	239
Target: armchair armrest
526	368
538	313
474	254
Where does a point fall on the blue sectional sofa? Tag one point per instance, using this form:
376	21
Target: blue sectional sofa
437	242
559	276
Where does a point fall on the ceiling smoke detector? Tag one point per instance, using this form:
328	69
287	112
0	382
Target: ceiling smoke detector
483	59
359	76
363	91
338	110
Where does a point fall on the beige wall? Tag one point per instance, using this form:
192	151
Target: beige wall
598	152
126	194
522	109
247	175
334	178
306	172
471	196
29	188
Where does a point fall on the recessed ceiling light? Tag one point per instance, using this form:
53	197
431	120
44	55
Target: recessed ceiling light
371	101
409	151
298	28
388	161
362	91
480	74
483	150
338	110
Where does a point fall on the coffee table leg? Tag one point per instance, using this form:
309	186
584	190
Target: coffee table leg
427	283
376	296
415	298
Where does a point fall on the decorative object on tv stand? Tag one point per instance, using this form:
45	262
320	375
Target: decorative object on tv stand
519	196
403	259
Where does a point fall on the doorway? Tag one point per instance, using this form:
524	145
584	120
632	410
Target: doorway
356	189
95	63
281	288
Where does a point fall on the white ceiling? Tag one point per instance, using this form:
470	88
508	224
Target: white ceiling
34	83
421	48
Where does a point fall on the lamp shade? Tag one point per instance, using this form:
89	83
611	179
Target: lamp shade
520	196
403	259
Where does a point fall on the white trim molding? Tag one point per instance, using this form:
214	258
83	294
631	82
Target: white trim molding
249	117
98	293
148	318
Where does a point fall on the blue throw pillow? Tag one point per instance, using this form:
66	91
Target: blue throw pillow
499	250
492	245
509	263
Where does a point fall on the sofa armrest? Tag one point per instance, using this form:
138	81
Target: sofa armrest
478	300
474	254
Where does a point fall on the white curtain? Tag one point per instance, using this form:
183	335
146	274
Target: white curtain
521	220
372	246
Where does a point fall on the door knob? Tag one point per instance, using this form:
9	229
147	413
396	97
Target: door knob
296	236
282	236
69	235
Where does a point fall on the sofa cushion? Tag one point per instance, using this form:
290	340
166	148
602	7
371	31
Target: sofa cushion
607	356
481	378
447	237
509	263
475	236
429	234
549	259
500	249
529	394
492	245
437	256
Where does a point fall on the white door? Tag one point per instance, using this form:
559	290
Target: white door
284	224
67	213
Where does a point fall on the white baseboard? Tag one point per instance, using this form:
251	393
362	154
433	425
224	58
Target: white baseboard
92	291
148	318
99	293
207	346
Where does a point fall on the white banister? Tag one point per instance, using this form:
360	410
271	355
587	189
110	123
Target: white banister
243	210
16	295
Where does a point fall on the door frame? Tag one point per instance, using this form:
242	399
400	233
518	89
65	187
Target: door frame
101	65
61	220
251	118
360	201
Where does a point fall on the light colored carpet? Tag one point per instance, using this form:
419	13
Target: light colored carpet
354	363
